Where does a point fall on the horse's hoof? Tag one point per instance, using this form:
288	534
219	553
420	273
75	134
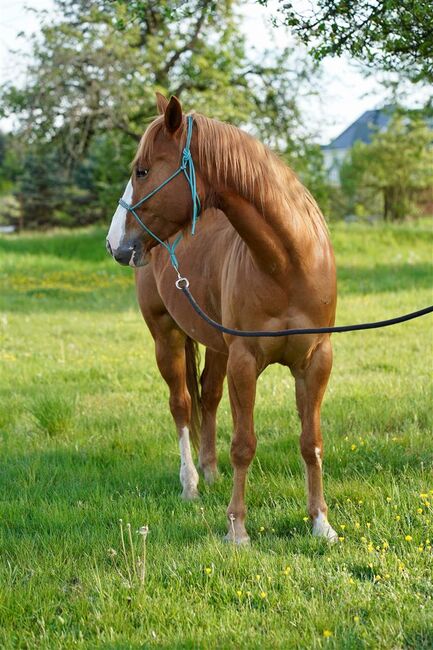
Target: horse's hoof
322	528
243	540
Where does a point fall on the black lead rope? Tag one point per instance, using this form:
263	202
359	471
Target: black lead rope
183	284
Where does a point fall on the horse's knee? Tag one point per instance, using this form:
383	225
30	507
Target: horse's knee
242	449
180	406
311	451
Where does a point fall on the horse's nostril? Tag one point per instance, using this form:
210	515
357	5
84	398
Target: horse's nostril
108	247
123	254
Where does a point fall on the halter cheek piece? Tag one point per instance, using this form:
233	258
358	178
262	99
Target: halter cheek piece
187	167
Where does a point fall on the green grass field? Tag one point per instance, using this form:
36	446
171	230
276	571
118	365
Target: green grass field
86	439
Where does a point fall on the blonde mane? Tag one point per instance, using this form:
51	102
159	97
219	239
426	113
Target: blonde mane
228	155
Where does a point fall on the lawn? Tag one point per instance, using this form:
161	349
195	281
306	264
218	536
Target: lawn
86	439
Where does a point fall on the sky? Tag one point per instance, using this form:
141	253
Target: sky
345	93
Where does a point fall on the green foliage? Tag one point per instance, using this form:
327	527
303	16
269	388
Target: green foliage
71	328
396	35
393	174
90	87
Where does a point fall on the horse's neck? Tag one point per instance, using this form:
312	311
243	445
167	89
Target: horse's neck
275	241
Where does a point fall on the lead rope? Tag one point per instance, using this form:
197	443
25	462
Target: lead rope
183	285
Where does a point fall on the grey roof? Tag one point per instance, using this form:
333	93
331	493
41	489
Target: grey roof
363	129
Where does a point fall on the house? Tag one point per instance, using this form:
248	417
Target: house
362	129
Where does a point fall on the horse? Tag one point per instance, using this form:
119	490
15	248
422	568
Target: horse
261	258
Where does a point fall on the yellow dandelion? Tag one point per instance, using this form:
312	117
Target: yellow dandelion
348	500
353	447
387	576
424	495
351	581
257	577
341	539
420	548
419	511
377	578
356	619
427	503
397	517
357	525
363	540
327	634
368	524
360	502
388	499
262	528
343	526
239	593
305	519
287	571
263	595
408	538
208	570
427	541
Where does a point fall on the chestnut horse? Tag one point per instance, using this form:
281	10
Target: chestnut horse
260	259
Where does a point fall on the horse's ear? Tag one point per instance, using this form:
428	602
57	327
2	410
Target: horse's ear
161	103
173	115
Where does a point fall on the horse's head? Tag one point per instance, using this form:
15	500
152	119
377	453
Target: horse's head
169	209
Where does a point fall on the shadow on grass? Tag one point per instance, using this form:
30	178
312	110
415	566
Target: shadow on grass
381	278
85	246
62	489
50	301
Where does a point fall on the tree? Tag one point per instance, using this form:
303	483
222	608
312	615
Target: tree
396	35
394	173
90	89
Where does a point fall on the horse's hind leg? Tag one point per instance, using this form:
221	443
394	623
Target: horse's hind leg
212	380
310	388
170	356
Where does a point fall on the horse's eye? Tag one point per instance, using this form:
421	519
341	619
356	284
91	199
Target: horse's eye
140	173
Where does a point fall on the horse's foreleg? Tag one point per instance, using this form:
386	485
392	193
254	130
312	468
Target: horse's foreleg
242	379
170	356
310	388
212	380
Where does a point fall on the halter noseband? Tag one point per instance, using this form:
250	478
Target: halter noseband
187	167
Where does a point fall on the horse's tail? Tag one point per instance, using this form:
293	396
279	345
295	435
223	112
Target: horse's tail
192	355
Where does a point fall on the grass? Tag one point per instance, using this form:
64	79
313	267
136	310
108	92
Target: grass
86	439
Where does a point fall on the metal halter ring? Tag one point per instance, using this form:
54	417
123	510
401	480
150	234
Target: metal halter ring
178	283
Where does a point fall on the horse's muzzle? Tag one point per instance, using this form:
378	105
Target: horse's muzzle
130	254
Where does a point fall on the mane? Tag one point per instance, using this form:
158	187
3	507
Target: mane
228	155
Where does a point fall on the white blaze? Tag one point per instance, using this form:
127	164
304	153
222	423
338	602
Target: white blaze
117	227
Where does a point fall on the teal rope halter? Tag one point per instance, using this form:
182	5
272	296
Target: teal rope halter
187	167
